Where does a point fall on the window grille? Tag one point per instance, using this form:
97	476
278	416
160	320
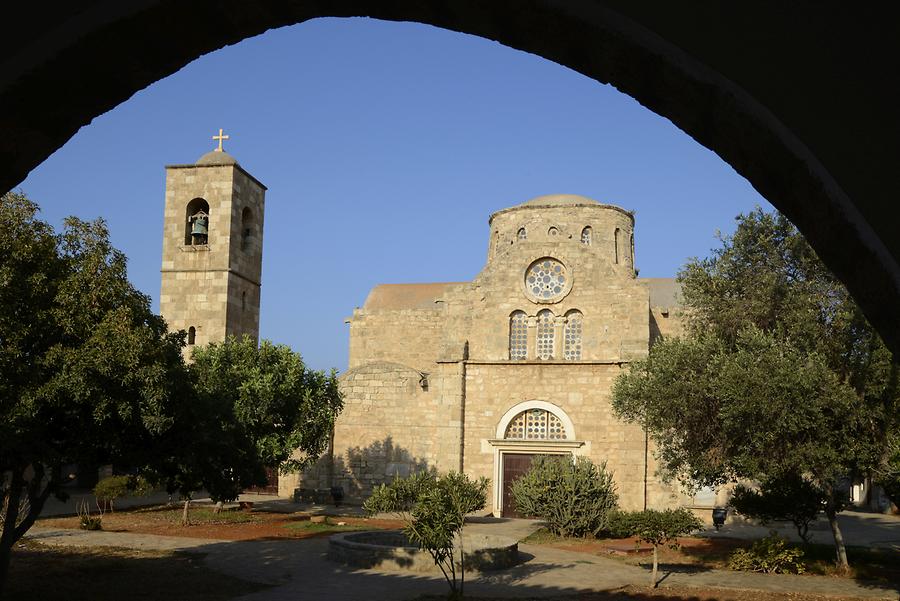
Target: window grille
518	336
545	332
535	424
572	336
521	234
586	236
546	279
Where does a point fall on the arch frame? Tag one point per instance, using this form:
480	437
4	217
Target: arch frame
515	410
501	446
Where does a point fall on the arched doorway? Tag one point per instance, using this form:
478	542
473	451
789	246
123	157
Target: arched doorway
525	431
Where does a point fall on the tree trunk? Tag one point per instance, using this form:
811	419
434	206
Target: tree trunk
7	536
840	549
13	527
184	514
653	582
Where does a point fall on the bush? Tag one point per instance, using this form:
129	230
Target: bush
771	554
115	487
791	498
663	528
621	524
575	499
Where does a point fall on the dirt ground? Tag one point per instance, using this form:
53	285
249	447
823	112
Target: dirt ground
638	593
231	524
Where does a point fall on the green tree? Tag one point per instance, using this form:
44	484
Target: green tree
254	406
574	498
778	375
660	528
434	508
888	474
791	498
88	374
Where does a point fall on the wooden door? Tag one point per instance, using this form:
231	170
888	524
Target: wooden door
514	465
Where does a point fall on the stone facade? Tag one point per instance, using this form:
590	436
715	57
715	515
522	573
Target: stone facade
442	376
211	287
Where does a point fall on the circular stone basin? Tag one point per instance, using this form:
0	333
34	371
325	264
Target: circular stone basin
391	550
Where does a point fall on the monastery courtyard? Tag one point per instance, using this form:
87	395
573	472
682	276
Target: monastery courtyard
299	569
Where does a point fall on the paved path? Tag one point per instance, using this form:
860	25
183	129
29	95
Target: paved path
299	570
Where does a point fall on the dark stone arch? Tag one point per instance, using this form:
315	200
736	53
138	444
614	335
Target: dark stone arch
794	95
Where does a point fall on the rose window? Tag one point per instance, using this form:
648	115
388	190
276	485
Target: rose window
546	279
535	424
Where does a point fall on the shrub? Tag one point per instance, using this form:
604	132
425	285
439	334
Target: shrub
575	499
791	498
115	487
771	554
621	524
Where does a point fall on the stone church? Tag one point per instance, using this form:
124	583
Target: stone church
481	376
477	376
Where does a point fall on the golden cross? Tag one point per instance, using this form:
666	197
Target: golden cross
220	138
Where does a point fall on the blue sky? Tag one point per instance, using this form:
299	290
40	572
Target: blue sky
385	146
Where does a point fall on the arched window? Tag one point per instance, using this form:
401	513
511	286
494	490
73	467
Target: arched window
616	236
535	424
586	236
192	335
521	234
196	222
246	227
518	336
553	232
572	336
545	334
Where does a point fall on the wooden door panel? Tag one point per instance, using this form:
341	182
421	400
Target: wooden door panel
514	466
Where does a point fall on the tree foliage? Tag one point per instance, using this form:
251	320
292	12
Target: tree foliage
790	498
660	528
435	509
253	407
779	374
87	372
574	498
112	488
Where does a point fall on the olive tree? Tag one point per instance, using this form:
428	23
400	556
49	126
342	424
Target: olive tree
778	375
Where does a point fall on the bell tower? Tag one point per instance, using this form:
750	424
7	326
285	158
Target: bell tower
212	248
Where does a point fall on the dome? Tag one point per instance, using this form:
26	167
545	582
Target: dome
216	157
559	200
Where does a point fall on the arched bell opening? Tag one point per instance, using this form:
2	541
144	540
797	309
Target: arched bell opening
196	223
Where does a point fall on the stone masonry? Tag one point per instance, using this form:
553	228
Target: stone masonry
439	372
212	290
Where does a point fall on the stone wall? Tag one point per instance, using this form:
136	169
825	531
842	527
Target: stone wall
213	287
393	424
580	391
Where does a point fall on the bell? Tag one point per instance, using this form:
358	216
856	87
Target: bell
200	225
